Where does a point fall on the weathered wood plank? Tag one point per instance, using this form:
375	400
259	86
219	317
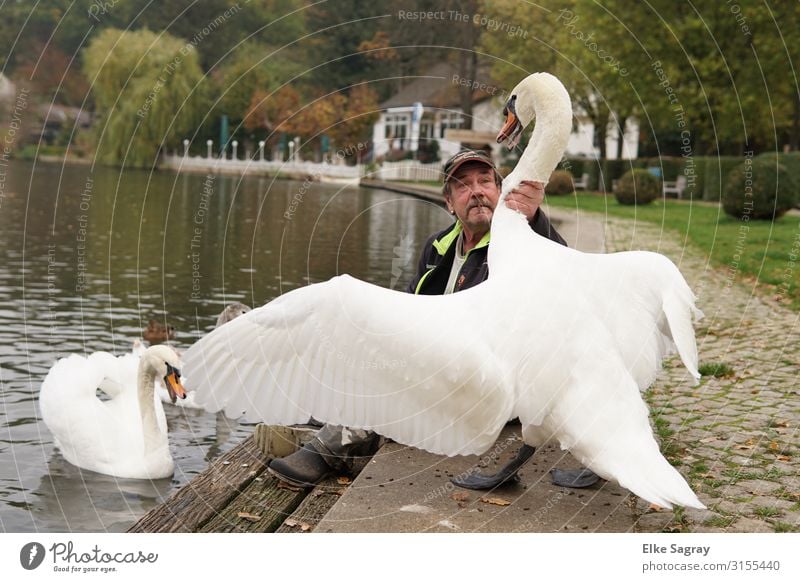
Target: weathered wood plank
200	500
324	496
260	508
314	507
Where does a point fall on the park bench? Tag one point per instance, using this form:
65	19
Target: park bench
677	187
583	183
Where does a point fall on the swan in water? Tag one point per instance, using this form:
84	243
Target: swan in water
445	373
124	434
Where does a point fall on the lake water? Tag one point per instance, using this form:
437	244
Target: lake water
89	255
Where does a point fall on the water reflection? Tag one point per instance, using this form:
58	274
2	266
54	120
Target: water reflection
88	256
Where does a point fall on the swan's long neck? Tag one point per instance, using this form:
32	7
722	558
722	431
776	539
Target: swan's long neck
147	407
553	110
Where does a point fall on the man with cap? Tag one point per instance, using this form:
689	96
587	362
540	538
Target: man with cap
452	260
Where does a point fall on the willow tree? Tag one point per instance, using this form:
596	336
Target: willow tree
145	90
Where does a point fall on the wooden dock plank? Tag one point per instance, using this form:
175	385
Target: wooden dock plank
200	500
260	508
313	508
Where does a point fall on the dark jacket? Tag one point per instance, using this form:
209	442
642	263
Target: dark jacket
437	256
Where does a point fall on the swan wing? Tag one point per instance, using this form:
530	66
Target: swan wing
413	368
600	417
649	307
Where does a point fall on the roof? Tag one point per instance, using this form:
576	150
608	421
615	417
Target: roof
438	88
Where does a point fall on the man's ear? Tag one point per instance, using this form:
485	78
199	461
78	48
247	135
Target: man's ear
449	204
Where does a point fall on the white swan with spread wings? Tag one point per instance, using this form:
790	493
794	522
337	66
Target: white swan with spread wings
537	340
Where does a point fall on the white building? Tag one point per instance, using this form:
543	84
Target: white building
399	130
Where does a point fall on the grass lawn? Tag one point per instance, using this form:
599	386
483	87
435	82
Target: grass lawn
756	250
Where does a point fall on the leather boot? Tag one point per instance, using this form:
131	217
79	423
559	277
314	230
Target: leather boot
333	449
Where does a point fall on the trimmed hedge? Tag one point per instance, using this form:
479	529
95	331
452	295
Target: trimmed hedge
714	172
759	189
706	176
560	183
638	186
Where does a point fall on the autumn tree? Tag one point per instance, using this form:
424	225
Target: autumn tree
356	120
273	111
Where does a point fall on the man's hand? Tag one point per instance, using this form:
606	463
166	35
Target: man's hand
526	198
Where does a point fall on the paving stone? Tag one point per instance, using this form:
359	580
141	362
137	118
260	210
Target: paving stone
746	524
760	487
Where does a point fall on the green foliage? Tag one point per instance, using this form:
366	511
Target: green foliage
712	173
144	86
250	69
637	186
671	167
761	190
791	161
560	183
716	369
617	56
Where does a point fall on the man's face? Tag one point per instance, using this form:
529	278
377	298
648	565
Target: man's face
473	195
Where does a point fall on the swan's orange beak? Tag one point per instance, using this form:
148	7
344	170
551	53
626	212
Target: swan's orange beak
512	130
173	383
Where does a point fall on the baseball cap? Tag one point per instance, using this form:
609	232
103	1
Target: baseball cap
462	158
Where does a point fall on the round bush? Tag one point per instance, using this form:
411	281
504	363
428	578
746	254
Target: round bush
560	183
760	189
638	186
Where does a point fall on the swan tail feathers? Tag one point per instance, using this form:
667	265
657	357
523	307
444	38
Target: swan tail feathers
651	477
679	310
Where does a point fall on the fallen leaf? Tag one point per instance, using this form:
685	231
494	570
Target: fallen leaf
284	485
248	516
343	480
460	496
291	522
743	447
773	446
654	507
784	458
780	424
496	501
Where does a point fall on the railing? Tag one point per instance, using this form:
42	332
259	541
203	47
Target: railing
319	171
410	170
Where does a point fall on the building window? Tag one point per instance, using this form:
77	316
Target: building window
426	130
451	120
396	127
